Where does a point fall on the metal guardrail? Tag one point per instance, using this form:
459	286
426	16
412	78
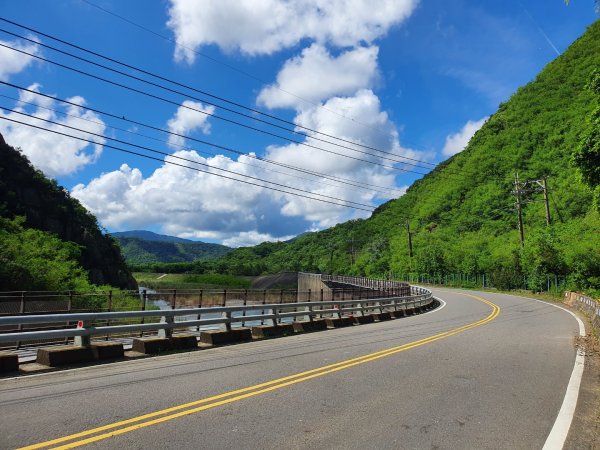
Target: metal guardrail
275	312
369	283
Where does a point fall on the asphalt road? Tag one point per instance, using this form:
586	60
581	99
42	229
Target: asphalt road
463	376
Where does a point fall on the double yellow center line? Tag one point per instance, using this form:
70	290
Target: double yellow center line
165	415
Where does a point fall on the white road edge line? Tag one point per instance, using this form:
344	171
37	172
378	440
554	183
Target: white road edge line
558	435
436	309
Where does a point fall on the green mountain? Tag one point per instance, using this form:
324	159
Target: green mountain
148	236
48	241
165	249
462	214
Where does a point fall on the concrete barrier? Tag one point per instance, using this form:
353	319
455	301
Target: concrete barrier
337	322
107	350
183	342
63	355
306	327
381	317
151	345
218	337
270	331
9	362
361	320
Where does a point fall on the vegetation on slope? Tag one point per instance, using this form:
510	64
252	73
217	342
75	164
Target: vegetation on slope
38	260
462	214
142	251
63	230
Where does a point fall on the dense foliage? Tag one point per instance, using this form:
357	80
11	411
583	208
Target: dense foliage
38	260
462	214
587	155
141	251
46	206
192	281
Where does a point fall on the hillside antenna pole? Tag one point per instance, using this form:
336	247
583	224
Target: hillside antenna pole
519	212
410	248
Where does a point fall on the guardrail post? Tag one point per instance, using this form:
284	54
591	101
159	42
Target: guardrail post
245	303
281	302
144	301
275	315
174	299
199	306
82	341
69	308
224	297
227	315
264	300
21	312
109	307
166	332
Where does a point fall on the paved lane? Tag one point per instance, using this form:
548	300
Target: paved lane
496	384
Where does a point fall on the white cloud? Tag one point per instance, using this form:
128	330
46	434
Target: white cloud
267	26
183	202
458	141
11	61
188	119
188	203
250	238
316	75
54	154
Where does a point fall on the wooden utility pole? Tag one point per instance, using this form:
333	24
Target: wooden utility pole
519	207
410	248
545	187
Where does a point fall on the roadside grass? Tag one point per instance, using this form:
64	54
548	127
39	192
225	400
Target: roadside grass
191	281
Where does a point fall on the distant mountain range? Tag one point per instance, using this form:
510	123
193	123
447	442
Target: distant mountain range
146	247
149	236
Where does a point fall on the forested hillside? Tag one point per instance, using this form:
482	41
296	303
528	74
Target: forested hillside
48	240
462	215
145	251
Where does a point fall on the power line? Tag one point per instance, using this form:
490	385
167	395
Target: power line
184	159
221	147
229	66
157	97
358	188
152	74
185	166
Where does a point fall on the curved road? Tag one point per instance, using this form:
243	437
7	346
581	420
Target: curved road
485	371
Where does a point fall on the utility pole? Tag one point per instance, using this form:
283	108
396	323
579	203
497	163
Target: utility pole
518	204
410	248
543	183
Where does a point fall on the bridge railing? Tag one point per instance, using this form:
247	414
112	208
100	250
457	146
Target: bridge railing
85	324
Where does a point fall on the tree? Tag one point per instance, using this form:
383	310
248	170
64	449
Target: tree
586	156
597	4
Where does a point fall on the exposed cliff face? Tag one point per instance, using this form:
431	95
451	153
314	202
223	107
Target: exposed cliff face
25	191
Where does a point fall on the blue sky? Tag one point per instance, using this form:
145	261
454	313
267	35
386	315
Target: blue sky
412	78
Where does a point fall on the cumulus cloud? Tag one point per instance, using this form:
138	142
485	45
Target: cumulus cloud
188	203
458	141
193	204
267	26
11	61
316	75
54	154
183	202
188	119
250	238
372	128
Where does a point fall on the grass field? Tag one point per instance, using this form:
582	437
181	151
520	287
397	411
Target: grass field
191	281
